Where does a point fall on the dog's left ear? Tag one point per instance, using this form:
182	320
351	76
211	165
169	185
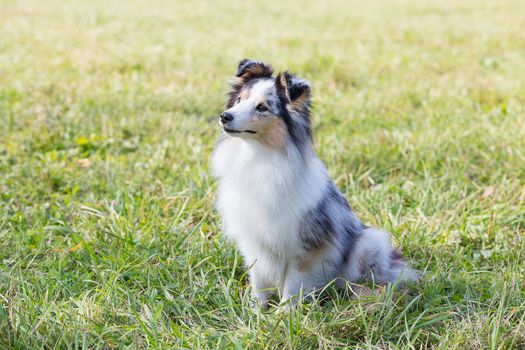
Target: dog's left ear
294	91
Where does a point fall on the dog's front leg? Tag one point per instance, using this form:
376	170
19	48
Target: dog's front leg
262	288
294	282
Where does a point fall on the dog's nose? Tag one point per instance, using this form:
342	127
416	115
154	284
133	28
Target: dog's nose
226	117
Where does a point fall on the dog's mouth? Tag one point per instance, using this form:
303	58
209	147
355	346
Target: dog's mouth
232	131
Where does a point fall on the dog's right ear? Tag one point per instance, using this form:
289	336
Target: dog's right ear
253	69
246	70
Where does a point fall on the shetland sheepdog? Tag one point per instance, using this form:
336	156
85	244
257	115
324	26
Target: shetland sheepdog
293	226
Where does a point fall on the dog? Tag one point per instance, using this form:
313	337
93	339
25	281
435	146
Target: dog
292	225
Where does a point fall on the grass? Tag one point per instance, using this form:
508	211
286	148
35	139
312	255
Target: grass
108	237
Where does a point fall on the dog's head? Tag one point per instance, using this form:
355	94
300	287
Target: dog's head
272	110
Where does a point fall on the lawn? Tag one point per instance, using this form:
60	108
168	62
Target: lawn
108	117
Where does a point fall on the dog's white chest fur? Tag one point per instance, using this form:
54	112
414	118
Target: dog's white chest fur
263	196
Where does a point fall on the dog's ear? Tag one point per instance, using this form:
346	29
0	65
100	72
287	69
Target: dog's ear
253	69
246	70
293	91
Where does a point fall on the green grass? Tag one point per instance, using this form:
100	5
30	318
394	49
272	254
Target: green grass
108	237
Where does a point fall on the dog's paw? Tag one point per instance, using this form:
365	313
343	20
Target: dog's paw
257	303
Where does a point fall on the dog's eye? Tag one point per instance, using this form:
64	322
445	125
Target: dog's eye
238	99
261	108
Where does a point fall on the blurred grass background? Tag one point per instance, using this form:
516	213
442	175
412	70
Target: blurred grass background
108	115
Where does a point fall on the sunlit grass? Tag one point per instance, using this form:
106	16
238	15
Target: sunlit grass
108	237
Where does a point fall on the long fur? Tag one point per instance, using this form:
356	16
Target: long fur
290	222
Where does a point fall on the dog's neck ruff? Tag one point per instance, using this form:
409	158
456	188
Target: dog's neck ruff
249	158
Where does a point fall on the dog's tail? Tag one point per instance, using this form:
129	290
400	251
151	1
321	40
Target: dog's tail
374	258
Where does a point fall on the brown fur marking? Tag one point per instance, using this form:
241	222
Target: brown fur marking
257	70
262	100
281	84
271	131
299	103
245	93
364	267
311	258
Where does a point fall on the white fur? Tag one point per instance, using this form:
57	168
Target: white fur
375	248
262	197
244	109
